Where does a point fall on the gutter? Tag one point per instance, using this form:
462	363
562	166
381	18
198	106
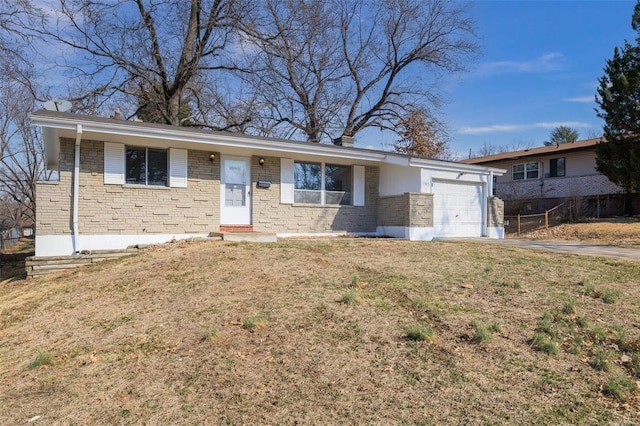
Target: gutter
133	129
65	121
76	189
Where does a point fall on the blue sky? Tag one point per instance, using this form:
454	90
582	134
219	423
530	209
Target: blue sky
540	65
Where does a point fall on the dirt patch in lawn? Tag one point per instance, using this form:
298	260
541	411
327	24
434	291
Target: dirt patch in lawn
618	231
334	331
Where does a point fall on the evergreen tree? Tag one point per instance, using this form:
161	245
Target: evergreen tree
618	155
560	135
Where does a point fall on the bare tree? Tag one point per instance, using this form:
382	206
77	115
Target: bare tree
21	161
330	68
297	68
488	149
153	51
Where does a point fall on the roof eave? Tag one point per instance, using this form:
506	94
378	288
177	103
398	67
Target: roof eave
184	135
128	129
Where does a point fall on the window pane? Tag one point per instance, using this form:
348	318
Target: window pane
307	176
157	167
532	170
306	196
235	171
560	166
136	166
337	178
338	197
518	172
337	184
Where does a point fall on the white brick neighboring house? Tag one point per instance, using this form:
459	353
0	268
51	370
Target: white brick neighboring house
124	183
540	178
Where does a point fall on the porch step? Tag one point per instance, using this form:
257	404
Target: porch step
236	228
254	237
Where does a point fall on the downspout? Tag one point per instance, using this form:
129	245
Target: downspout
76	189
485	205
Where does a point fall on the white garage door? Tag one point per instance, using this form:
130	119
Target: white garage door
457	209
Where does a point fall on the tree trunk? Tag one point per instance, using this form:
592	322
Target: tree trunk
628	203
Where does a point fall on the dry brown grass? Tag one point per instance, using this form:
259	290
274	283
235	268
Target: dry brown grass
603	232
160	337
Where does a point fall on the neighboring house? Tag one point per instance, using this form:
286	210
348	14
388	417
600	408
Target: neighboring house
539	179
124	183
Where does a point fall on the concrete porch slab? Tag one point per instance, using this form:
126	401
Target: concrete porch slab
253	237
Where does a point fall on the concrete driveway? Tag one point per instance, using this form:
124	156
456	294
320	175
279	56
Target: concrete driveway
572	247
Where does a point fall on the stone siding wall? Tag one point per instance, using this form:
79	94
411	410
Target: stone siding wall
271	216
495	212
421	210
411	209
393	211
54	199
128	209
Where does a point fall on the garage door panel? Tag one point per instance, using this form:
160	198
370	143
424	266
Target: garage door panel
457	209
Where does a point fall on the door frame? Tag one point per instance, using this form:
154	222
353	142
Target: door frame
240	215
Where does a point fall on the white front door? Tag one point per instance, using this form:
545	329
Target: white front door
235	191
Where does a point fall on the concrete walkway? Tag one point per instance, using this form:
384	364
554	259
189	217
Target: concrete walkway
572	247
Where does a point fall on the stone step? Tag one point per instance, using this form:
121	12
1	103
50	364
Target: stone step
44	265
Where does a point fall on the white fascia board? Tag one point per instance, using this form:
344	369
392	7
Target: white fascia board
230	140
397	160
126	129
455	167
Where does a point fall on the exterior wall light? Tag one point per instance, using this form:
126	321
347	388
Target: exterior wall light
261	161
212	157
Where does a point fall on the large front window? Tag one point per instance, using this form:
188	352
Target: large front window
318	183
525	171
146	166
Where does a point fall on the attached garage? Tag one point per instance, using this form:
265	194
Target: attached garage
457	209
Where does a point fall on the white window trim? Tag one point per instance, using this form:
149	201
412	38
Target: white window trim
525	170
287	184
115	163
